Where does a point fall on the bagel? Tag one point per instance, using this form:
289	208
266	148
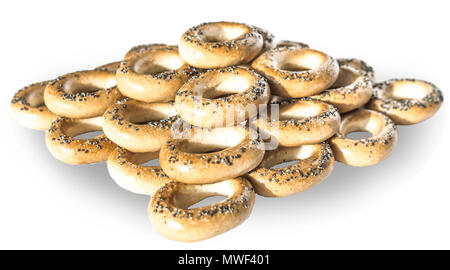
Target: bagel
406	101
367	151
198	159
64	147
365	68
143	48
110	67
350	91
297	72
290	43
201	101
171	217
138	126
220	44
154	75
269	41
300	121
82	94
28	107
124	167
314	163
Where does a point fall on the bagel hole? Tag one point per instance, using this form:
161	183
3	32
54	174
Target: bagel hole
202	148
293	67
88	84
88	135
407	90
208	201
194	196
287	156
215	140
142	115
146	159
150	163
35	98
215	94
298	111
358	135
284	164
346	77
74	87
158	63
228	84
147	121
301	60
83	128
362	121
151	69
222	33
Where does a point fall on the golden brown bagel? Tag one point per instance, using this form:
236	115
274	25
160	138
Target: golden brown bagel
350	91
406	101
365	68
139	126
297	72
200	159
289	43
170	215
28	107
314	163
143	48
220	44
300	121
154	75
367	151
201	101
64	147
82	94
124	167
110	67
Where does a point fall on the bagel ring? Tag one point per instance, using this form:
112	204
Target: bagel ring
28	107
367	151
110	67
138	126
82	94
154	75
171	217
268	38
64	147
297	72
301	121
365	68
220	44
199	159
406	101
124	167
290	43
350	91
143	48
201	101
314	163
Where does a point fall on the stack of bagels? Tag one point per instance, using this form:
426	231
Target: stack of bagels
224	111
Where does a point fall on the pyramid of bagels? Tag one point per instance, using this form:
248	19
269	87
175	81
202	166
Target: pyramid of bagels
230	111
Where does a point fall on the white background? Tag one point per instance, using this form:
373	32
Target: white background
402	202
